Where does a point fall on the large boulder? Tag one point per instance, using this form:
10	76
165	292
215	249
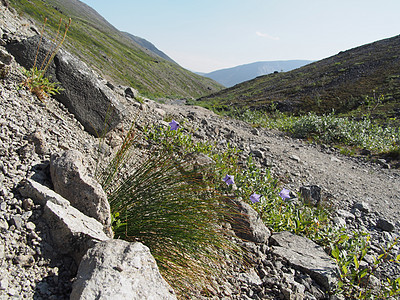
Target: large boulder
307	256
72	181
117	269
87	97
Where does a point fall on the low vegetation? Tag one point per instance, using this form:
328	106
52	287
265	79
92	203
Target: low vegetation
146	201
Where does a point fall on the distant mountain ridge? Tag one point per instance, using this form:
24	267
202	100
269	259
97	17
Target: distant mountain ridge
146	44
230	76
346	82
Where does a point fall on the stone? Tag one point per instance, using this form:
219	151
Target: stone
3	282
28	204
92	102
345	214
72	232
131	93
40	193
362	206
311	194
72	181
250	278
117	269
247	223
307	256
39	142
385	225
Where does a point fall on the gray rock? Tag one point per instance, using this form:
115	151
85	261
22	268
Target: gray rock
345	214
72	232
250	278
311	194
116	269
247	224
88	98
307	256
40	193
385	225
362	206
71	180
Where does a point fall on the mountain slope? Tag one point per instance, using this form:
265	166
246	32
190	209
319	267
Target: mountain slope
146	44
115	55
231	76
344	82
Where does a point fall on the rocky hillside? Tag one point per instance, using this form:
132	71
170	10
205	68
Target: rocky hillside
341	83
52	242
114	54
232	76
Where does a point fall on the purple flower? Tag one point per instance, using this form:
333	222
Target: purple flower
284	194
174	125
228	179
255	198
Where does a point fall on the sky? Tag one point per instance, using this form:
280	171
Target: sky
207	35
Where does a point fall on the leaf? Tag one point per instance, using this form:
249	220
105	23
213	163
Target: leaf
335	252
356	263
345	270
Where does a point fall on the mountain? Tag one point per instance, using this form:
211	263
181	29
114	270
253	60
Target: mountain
114	54
231	76
351	81
146	44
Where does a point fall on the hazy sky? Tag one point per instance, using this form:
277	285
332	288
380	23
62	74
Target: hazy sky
206	35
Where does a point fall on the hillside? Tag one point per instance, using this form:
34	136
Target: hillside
149	46
348	81
231	76
115	55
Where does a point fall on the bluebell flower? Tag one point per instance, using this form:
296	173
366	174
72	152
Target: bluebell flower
228	179
174	125
284	194
255	198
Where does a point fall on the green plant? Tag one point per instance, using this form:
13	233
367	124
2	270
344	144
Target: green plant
35	81
162	201
355	281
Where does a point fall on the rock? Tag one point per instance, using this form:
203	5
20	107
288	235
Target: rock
117	269
131	93
72	181
88	98
3	282
250	278
39	142
40	193
72	232
247	224
28	204
362	206
345	214
311	194
295	158
5	60
385	225
307	256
